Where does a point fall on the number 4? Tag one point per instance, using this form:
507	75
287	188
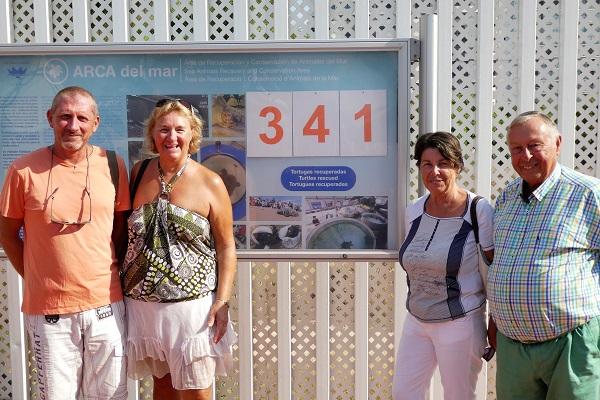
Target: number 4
318	117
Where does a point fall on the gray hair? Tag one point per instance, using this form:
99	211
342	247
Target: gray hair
528	115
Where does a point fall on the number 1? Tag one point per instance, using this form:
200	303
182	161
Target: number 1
365	113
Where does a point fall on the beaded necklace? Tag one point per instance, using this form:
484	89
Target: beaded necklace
167	187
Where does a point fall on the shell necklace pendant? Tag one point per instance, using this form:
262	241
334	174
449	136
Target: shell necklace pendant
167	187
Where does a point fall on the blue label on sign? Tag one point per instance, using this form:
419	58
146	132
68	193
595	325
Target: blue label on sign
324	179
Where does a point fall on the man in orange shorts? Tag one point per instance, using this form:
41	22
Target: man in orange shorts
73	213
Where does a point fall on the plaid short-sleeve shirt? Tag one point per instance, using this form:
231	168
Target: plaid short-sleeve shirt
545	279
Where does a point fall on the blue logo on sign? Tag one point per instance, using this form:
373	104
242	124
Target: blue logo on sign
322	179
17	72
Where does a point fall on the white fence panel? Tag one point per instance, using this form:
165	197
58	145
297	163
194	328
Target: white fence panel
497	59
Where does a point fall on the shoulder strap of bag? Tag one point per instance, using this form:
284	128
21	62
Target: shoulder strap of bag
113	166
138	177
473	211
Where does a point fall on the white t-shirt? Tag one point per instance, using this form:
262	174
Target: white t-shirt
441	260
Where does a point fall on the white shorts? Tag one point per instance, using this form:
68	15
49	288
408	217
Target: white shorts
80	355
174	338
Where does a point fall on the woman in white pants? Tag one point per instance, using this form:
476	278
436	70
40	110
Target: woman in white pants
446	296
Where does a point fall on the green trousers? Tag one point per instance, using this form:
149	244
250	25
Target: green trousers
564	368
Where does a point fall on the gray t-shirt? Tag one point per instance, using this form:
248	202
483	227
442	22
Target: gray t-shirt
441	260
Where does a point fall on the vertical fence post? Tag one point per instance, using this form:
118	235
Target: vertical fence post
120	13
81	28
322	335
428	78
322	19
161	21
245	329
527	35
284	335
5	21
361	325
485	98
280	8
444	105
16	327
361	19
240	19
567	94
42	15
200	23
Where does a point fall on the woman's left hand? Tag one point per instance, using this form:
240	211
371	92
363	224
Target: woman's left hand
219	317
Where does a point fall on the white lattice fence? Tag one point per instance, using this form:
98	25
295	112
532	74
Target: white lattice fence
301	19
101	24
303	327
182	20
419	8
141	20
382	15
5	369
221	19
514	91
547	61
22	19
261	20
62	21
341	19
588	88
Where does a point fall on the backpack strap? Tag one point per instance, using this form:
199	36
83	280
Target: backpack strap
113	166
473	212
138	178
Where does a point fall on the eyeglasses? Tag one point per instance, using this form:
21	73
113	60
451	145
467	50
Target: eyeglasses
165	101
86	192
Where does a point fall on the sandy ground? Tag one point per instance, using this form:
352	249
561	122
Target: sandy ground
491	379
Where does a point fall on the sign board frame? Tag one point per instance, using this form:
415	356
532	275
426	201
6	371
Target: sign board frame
403	51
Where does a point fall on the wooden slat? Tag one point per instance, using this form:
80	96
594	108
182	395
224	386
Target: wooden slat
6	22
43	21
240	19
81	30
485	98
322	334
16	327
322	19
280	8
403	19
527	35
284	332
361	19
245	329
444	92
161	21
120	15
361	326
567	92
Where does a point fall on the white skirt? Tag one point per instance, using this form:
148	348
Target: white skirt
174	338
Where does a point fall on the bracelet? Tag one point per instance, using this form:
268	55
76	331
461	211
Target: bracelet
225	302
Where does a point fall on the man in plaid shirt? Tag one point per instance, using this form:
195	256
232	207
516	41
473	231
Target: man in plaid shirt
544	284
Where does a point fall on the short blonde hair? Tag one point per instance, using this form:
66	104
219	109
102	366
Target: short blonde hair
175	106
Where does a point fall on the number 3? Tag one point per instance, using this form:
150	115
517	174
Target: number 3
273	123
